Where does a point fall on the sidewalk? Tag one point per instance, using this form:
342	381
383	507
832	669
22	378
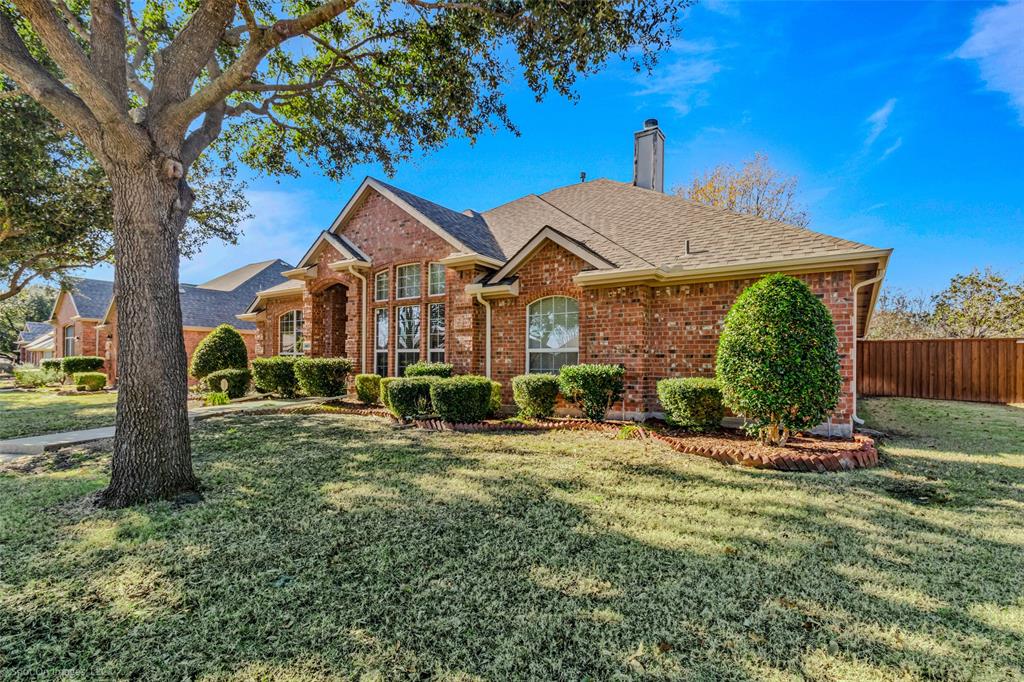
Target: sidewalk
34	445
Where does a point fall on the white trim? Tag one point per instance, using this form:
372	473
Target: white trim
419	294
548	233
418	306
526	367
370	183
444	278
387	294
444	318
464	260
343	246
300	273
295	333
494	290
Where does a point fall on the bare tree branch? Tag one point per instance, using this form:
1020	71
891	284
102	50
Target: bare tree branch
73	20
108	46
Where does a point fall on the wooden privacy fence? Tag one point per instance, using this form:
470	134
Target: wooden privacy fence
982	370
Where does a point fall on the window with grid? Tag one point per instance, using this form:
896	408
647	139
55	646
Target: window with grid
407	281
290	333
552	334
69	340
407	337
380	286
437	282
380	343
435	340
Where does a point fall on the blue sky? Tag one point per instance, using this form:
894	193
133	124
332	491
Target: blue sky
903	121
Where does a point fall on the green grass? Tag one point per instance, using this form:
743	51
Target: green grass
335	546
38	412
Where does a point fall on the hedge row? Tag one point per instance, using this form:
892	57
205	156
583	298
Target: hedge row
72	364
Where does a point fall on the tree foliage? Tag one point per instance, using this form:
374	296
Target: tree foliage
32	304
757	189
56	212
778	358
900	315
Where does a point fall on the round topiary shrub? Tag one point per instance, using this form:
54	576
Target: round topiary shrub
323	377
778	359
462	399
275	375
408	396
238	382
694	403
90	381
593	388
368	388
429	369
73	364
535	394
223	348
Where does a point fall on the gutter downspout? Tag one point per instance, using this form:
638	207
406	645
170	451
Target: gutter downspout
487	335
877	278
362	340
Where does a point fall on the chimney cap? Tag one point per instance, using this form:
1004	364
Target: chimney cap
651	123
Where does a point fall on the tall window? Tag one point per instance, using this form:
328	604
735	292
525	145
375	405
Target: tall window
407	281
290	333
380	286
435	339
437	283
69	340
552	334
380	343
407	337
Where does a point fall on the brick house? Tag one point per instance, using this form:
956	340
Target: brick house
85	314
34	343
598	271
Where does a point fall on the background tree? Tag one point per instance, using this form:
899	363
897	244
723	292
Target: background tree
980	304
32	304
56	213
899	315
756	189
149	87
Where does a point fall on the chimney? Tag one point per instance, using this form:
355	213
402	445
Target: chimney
649	157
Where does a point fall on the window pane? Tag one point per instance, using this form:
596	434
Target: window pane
435	341
553	324
549	363
380	286
300	343
404	359
381	342
437	282
407	281
407	328
381	363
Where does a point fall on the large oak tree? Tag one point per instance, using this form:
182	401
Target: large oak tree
148	88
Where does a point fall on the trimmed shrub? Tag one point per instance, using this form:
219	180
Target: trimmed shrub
429	369
51	364
90	381
593	388
275	375
495	404
693	403
535	394
323	377
384	399
461	399
73	364
778	359
238	382
216	398
30	378
408	396
368	388
223	348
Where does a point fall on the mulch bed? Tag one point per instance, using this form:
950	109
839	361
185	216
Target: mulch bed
804	453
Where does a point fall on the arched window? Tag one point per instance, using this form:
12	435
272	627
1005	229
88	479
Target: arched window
69	340
552	334
290	333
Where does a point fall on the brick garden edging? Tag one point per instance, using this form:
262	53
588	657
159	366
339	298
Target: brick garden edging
863	457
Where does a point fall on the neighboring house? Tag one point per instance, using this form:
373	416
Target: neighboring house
598	271
35	343
85	314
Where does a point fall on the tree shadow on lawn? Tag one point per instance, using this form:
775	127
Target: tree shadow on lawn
339	546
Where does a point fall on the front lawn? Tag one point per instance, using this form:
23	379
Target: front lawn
33	413
335	546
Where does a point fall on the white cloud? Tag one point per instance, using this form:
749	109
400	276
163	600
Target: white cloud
283	227
997	44
893	147
681	73
879	121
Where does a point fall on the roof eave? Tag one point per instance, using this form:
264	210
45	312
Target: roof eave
458	261
493	290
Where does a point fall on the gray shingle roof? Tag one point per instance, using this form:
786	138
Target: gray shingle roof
471	230
91	296
203	307
33	330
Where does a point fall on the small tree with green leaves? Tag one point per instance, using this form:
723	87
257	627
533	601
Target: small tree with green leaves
778	359
223	348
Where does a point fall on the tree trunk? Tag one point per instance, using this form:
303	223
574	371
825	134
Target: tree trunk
152	453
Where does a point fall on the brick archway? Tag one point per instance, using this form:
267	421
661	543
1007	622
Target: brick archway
328	326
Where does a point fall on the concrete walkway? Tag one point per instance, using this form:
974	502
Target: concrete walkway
35	445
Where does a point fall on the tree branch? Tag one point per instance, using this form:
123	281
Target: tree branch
108	47
73	19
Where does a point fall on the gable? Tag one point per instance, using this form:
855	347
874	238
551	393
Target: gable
387	233
545	238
